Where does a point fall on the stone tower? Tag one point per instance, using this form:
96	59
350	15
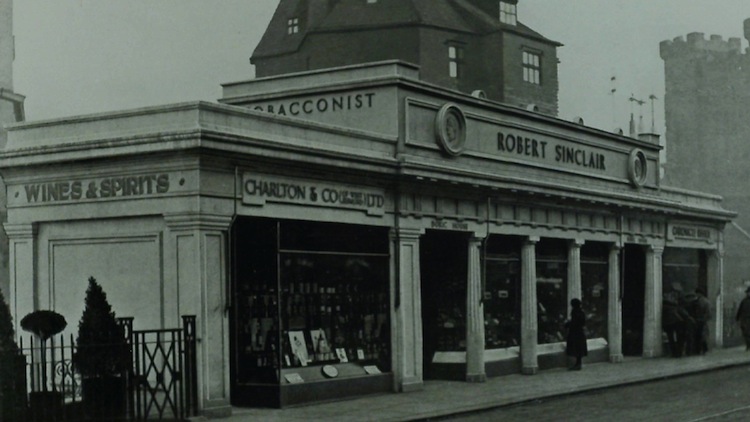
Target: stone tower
707	108
11	110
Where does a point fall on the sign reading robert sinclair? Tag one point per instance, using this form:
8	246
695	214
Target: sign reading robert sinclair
259	189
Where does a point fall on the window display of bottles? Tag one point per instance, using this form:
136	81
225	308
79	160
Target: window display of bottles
336	309
502	302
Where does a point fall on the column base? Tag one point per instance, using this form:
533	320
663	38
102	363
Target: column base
476	377
530	370
616	358
410	386
649	354
217	411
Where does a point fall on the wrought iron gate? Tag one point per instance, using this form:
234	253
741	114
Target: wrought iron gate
163	383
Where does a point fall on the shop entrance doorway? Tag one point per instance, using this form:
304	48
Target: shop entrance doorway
444	267
633	260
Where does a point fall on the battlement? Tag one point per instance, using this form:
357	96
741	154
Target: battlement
697	43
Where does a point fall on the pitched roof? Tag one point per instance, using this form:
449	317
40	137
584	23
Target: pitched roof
455	15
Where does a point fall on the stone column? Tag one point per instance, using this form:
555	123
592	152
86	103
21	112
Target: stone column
614	306
406	314
24	295
198	253
475	315
529	364
715	295
652	338
574	271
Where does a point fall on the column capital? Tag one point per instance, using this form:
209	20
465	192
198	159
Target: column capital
405	233
197	221
718	253
531	240
576	243
656	249
615	246
21	231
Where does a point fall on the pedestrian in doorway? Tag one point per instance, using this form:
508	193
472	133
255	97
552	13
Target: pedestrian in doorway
701	313
576	342
673	324
743	317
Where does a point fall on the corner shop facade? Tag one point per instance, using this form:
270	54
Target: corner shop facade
355	230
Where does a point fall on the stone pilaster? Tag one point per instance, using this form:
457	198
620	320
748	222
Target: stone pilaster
574	271
614	306
197	247
652	337
406	314
24	293
475	315
715	295
529	328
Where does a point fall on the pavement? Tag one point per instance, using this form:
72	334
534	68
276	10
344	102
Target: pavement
445	398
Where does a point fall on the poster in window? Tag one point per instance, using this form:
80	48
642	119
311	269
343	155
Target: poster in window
320	342
341	354
299	347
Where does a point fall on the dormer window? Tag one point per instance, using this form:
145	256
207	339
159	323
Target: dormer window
292	26
532	68
455	60
508	13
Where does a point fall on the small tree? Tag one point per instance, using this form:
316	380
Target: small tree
9	353
101	346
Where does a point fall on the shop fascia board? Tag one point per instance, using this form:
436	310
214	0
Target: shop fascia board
248	131
633	200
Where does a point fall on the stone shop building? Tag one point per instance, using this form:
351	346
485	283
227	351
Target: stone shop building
355	230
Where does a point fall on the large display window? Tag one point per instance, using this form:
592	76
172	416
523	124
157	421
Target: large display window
594	282
311	305
551	289
684	270
502	295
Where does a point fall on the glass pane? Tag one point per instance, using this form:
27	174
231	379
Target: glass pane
335	308
453	69
452	52
502	303
594	282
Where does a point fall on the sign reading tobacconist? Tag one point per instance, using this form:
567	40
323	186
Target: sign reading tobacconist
259	189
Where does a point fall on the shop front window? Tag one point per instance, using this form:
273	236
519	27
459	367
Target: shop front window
310	294
502	295
551	290
594	283
684	270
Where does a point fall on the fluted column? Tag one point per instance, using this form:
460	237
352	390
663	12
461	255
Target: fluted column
475	315
652	338
407	311
574	271
715	294
529	328
614	307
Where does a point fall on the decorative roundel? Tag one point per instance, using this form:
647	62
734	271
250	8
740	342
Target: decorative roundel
450	129
637	167
330	371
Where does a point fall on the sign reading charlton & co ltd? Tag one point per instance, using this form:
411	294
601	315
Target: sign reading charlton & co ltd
259	189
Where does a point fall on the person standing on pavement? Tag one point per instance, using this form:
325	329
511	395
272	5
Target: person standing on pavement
576	341
673	323
743	317
701	312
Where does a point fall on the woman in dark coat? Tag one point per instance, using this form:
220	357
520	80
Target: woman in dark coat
576	342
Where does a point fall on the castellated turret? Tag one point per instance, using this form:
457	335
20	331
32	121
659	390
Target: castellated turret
697	44
706	103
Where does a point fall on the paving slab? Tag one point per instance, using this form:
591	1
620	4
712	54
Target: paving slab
445	398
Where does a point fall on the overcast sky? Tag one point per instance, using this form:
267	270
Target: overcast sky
86	56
